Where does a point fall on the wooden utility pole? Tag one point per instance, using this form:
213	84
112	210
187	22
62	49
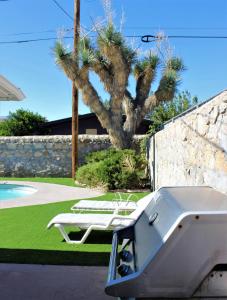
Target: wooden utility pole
75	93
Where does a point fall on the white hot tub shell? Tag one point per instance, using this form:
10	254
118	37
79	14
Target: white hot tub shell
174	249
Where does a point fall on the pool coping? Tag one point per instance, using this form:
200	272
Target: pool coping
48	193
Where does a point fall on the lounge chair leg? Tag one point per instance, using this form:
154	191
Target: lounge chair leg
86	234
63	232
66	237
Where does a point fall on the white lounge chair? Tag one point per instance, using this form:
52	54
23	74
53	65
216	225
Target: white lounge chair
121	202
96	221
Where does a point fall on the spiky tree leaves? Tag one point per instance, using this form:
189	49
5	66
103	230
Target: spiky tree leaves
114	61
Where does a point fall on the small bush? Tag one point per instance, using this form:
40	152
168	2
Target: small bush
91	174
97	156
22	122
114	169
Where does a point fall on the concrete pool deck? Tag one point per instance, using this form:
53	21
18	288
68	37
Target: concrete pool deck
36	282
48	193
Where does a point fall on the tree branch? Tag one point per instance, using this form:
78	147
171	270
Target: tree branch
120	71
120	68
143	85
150	103
145	72
164	92
128	106
68	65
92	99
105	76
119	81
81	80
166	89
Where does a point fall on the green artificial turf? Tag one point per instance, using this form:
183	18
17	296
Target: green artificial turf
25	239
23	233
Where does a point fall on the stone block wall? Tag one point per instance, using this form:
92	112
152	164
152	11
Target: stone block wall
192	150
44	156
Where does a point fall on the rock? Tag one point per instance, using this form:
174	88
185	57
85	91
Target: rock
223	108
202	124
214	115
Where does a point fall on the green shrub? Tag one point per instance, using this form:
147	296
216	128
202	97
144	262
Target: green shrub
168	110
91	174
101	155
22	122
113	169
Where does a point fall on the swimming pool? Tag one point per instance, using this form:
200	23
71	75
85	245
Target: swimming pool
12	191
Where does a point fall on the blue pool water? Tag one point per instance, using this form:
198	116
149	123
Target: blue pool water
12	191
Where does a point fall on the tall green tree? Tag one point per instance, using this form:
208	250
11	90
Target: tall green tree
113	60
22	122
168	110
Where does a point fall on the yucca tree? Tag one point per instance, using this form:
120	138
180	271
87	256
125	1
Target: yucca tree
114	61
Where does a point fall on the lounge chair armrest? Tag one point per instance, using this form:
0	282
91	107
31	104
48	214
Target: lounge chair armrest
50	224
119	217
123	217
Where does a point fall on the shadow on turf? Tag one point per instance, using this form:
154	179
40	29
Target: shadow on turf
49	257
95	237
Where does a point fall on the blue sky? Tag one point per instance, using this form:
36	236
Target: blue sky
31	66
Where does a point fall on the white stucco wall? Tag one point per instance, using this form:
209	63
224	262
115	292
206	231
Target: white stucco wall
192	150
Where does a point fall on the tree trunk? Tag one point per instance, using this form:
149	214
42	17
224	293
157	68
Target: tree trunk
120	141
120	137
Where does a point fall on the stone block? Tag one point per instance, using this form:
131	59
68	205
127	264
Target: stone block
212	132
221	161
38	154
223	108
36	146
214	115
202	123
12	146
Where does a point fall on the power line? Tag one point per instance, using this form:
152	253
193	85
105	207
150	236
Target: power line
33	40
66	13
144	38
63	10
35	32
150	38
173	28
133	27
195	37
49	39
